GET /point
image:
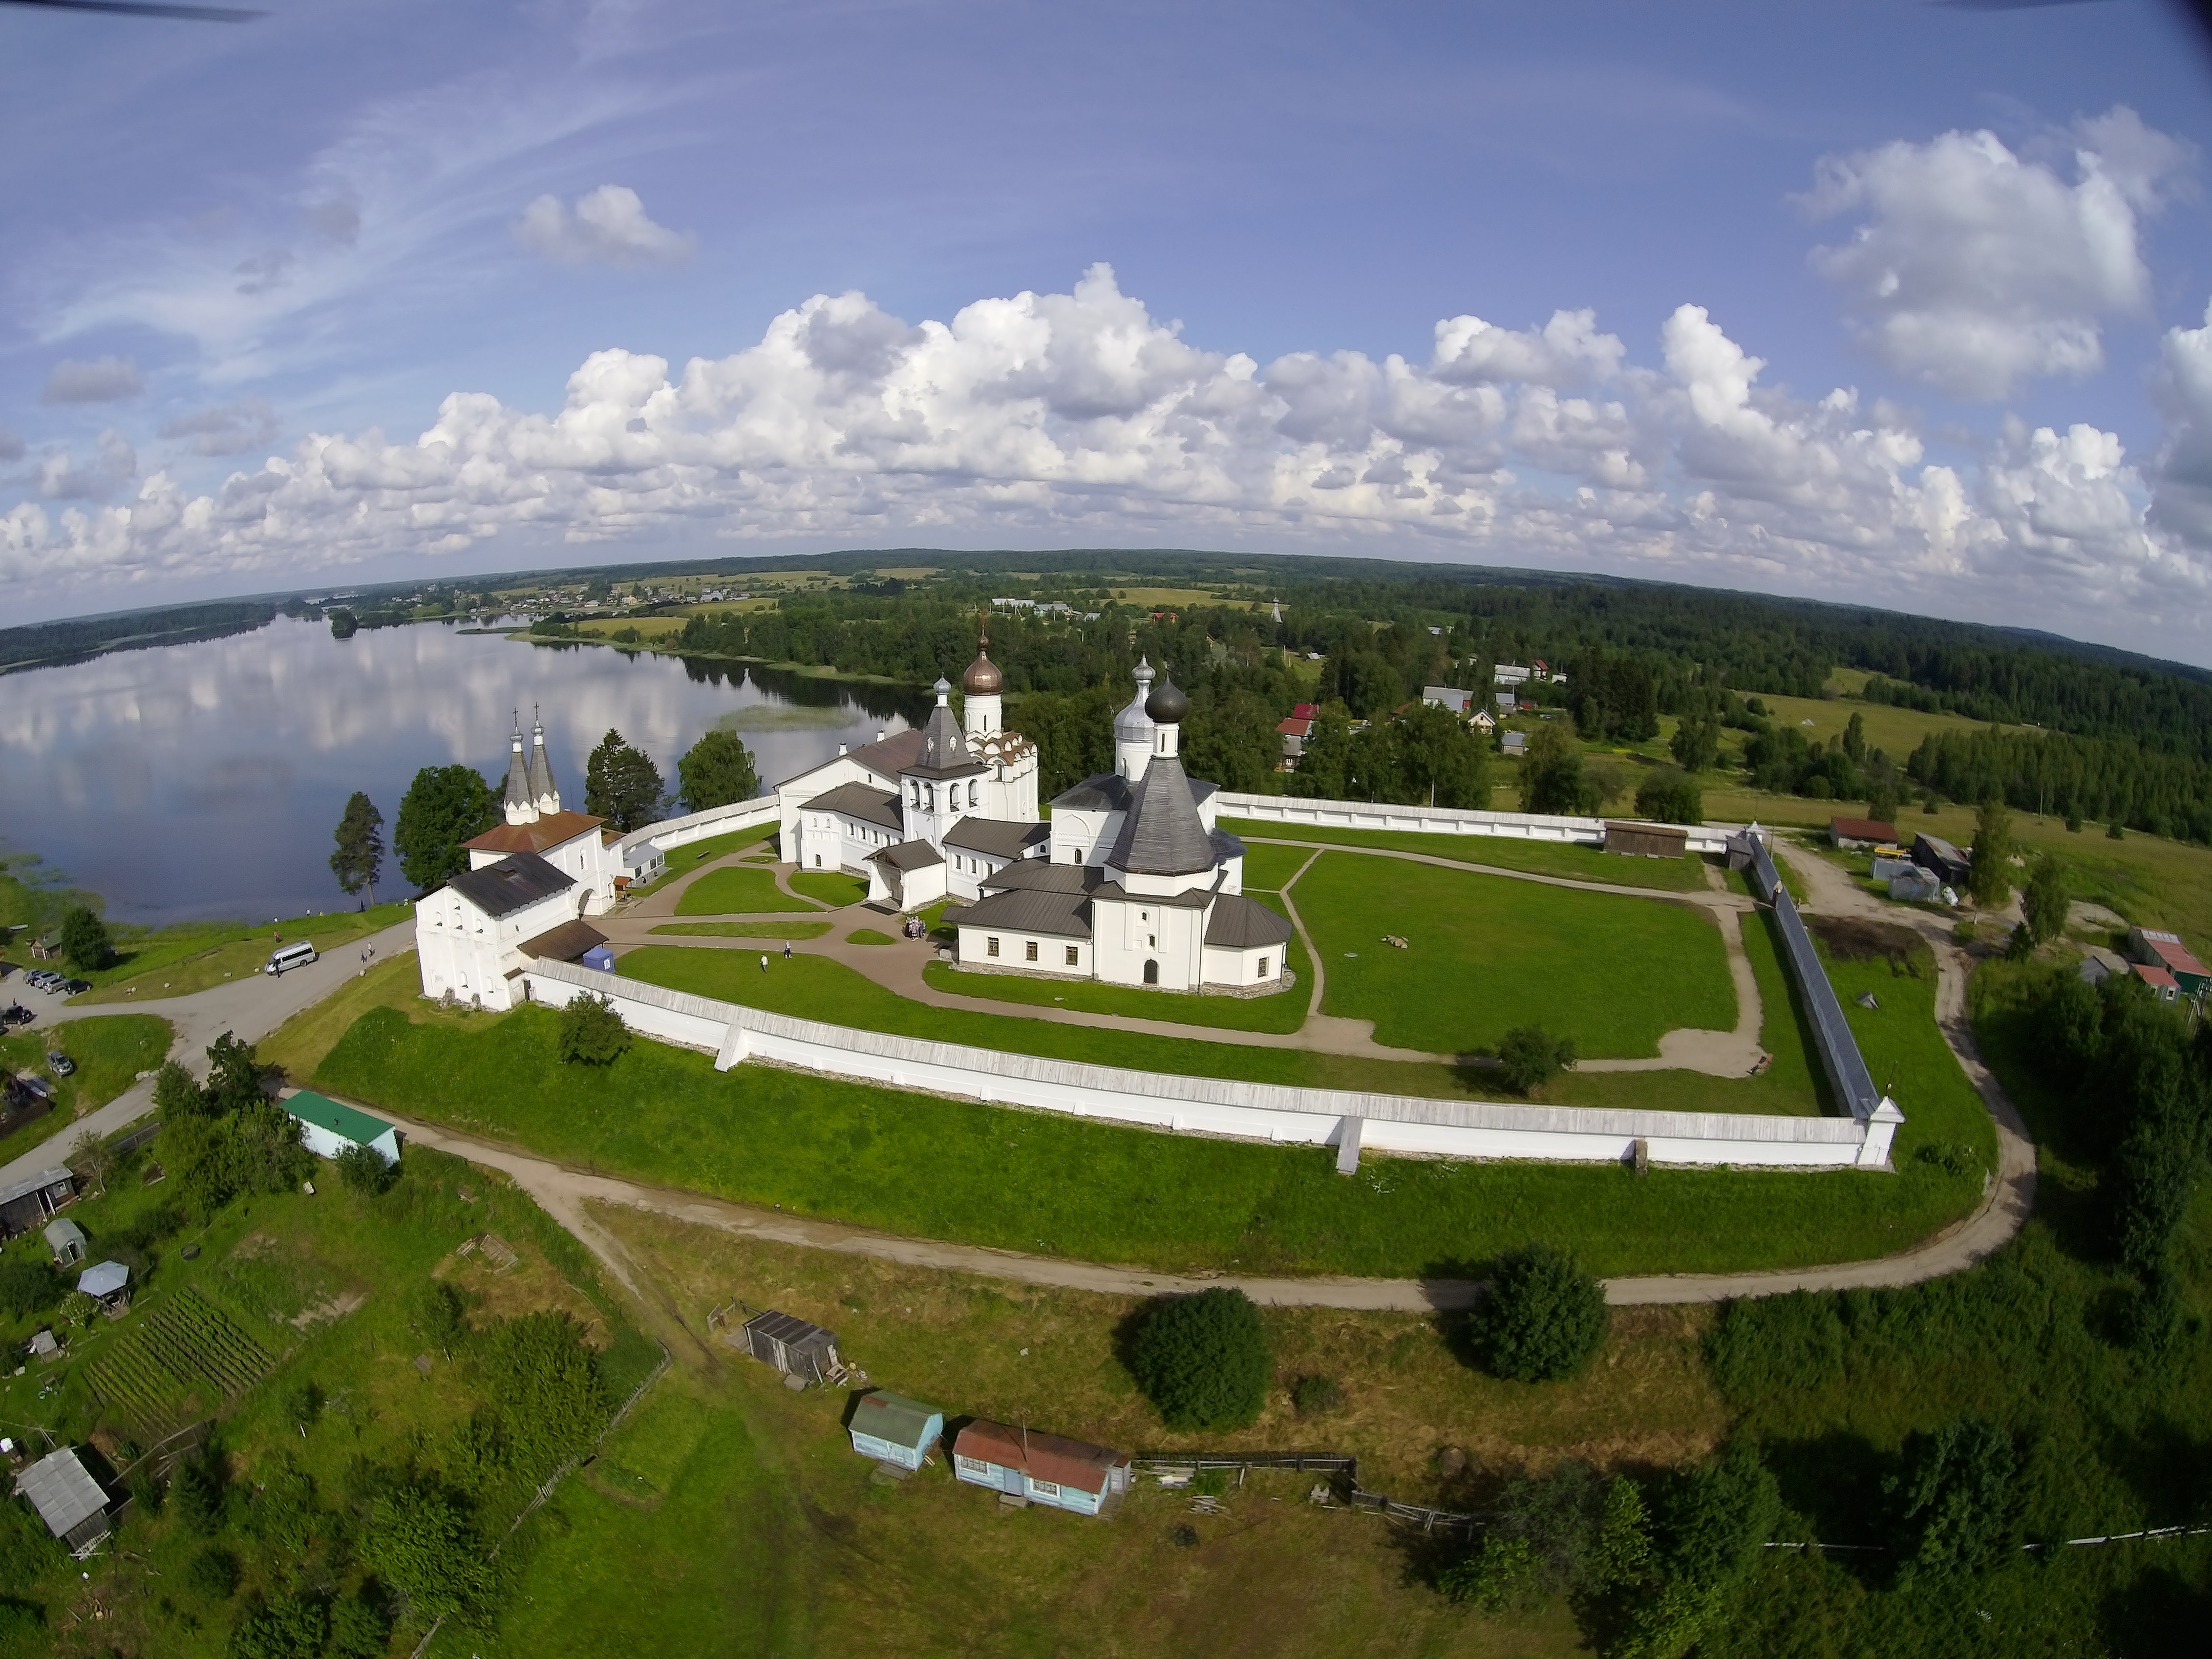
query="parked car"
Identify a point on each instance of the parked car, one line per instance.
(71, 987)
(44, 978)
(37, 1085)
(16, 1014)
(297, 954)
(62, 1063)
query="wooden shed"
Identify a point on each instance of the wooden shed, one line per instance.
(1646, 840)
(895, 1429)
(27, 1203)
(1024, 1466)
(794, 1346)
(66, 1240)
(68, 1499)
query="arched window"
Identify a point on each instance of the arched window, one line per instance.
(975, 791)
(1152, 973)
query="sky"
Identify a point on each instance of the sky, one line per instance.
(1887, 301)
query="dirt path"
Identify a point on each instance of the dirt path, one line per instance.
(566, 1195)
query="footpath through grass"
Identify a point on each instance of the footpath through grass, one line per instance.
(747, 929)
(817, 988)
(1683, 875)
(1028, 1181)
(683, 860)
(1281, 1012)
(737, 890)
(1487, 954)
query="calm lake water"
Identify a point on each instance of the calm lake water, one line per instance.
(205, 780)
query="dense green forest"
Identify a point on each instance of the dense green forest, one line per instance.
(41, 644)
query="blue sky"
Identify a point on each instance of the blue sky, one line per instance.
(1888, 301)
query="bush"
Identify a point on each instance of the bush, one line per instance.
(1531, 1057)
(1203, 1360)
(1671, 797)
(420, 1542)
(1954, 1500)
(546, 1378)
(435, 1314)
(1543, 1318)
(359, 1629)
(591, 1032)
(197, 1487)
(1315, 1395)
(293, 1627)
(1502, 1577)
(212, 1573)
(29, 1285)
(363, 1169)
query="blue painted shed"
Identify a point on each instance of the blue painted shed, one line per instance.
(1027, 1467)
(893, 1428)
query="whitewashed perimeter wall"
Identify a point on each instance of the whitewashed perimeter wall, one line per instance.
(1251, 1111)
(1438, 820)
(670, 833)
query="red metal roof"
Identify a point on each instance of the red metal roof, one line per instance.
(2157, 978)
(1044, 1458)
(2172, 951)
(1861, 829)
(1306, 711)
(549, 832)
(1295, 727)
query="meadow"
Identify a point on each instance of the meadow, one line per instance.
(951, 1169)
(109, 1051)
(1485, 954)
(1683, 875)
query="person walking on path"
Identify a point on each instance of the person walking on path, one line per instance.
(786, 950)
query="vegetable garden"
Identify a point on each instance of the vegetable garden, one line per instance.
(188, 1356)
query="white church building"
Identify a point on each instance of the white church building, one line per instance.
(1131, 883)
(530, 883)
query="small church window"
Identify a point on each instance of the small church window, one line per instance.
(974, 796)
(1031, 954)
(990, 947)
(1071, 956)
(1263, 966)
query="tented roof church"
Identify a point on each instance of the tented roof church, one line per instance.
(530, 881)
(1131, 883)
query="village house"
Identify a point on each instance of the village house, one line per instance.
(329, 1127)
(1856, 835)
(2154, 948)
(1294, 731)
(894, 1430)
(1025, 1466)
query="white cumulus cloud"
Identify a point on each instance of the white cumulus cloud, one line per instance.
(1975, 269)
(606, 226)
(103, 380)
(1080, 418)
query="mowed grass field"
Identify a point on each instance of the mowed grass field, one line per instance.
(746, 929)
(737, 890)
(683, 860)
(956, 1170)
(1486, 954)
(831, 887)
(817, 988)
(1683, 875)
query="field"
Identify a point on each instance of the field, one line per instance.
(1487, 954)
(746, 929)
(1899, 731)
(723, 1478)
(1283, 1012)
(1683, 875)
(832, 887)
(949, 1169)
(1792, 1085)
(109, 1051)
(683, 860)
(737, 891)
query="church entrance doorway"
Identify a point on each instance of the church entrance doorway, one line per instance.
(1152, 973)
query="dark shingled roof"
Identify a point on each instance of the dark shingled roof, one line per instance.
(566, 943)
(944, 750)
(1109, 792)
(1243, 924)
(1033, 910)
(1191, 898)
(858, 800)
(908, 856)
(1036, 875)
(997, 837)
(518, 880)
(1163, 835)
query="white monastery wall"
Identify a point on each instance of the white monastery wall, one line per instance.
(1439, 820)
(1251, 1111)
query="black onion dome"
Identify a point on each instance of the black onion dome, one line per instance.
(1167, 705)
(983, 677)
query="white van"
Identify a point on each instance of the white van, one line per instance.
(292, 955)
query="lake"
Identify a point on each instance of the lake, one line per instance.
(205, 780)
